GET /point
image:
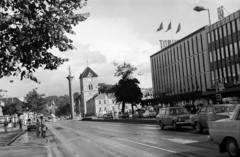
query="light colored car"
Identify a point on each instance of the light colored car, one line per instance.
(173, 116)
(226, 133)
(149, 114)
(210, 113)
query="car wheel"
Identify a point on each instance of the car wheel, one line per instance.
(198, 127)
(161, 125)
(175, 126)
(232, 148)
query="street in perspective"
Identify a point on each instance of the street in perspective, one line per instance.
(139, 78)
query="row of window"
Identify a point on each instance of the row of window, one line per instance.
(105, 101)
(113, 108)
(224, 30)
(179, 52)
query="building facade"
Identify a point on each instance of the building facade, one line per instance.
(224, 46)
(188, 65)
(182, 67)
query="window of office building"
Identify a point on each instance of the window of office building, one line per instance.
(220, 73)
(233, 26)
(222, 53)
(213, 80)
(224, 31)
(220, 32)
(229, 74)
(229, 28)
(216, 34)
(225, 74)
(233, 72)
(238, 24)
(210, 54)
(235, 48)
(238, 71)
(212, 35)
(226, 50)
(231, 50)
(214, 56)
(218, 54)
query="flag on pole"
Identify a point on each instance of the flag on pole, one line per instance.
(160, 27)
(169, 27)
(179, 28)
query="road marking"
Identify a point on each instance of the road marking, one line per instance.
(167, 150)
(179, 140)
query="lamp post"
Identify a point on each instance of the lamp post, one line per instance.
(12, 90)
(140, 74)
(198, 9)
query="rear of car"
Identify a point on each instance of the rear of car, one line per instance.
(173, 116)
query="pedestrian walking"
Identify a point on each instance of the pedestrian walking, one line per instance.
(38, 127)
(5, 124)
(20, 123)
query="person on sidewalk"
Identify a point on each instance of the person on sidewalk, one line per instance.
(38, 127)
(5, 124)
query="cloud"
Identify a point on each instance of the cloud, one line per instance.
(193, 1)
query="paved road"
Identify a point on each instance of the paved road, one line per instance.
(102, 139)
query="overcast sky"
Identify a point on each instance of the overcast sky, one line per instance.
(119, 30)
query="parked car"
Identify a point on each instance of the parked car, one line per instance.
(210, 113)
(108, 115)
(149, 114)
(100, 115)
(226, 133)
(123, 115)
(138, 114)
(173, 116)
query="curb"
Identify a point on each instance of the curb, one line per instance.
(13, 139)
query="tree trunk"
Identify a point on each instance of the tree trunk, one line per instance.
(123, 107)
(132, 109)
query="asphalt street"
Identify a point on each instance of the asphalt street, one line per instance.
(103, 139)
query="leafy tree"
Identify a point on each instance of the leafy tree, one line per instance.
(103, 88)
(35, 102)
(127, 89)
(30, 28)
(13, 108)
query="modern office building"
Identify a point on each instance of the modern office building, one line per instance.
(224, 48)
(189, 64)
(183, 66)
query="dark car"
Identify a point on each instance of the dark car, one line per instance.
(124, 115)
(173, 116)
(108, 115)
(210, 113)
(138, 114)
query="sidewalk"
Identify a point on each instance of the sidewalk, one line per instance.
(7, 138)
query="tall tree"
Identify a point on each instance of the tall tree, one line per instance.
(127, 89)
(30, 28)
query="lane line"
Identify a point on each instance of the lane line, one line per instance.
(166, 150)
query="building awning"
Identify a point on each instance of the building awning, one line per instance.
(227, 92)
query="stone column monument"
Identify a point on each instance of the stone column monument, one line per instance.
(70, 93)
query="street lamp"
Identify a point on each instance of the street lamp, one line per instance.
(12, 90)
(140, 74)
(198, 9)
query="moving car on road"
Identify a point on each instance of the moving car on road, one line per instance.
(173, 116)
(210, 113)
(226, 132)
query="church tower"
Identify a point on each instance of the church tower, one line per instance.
(88, 87)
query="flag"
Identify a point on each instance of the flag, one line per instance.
(179, 28)
(169, 27)
(160, 27)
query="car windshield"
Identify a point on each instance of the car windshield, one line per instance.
(177, 111)
(223, 109)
